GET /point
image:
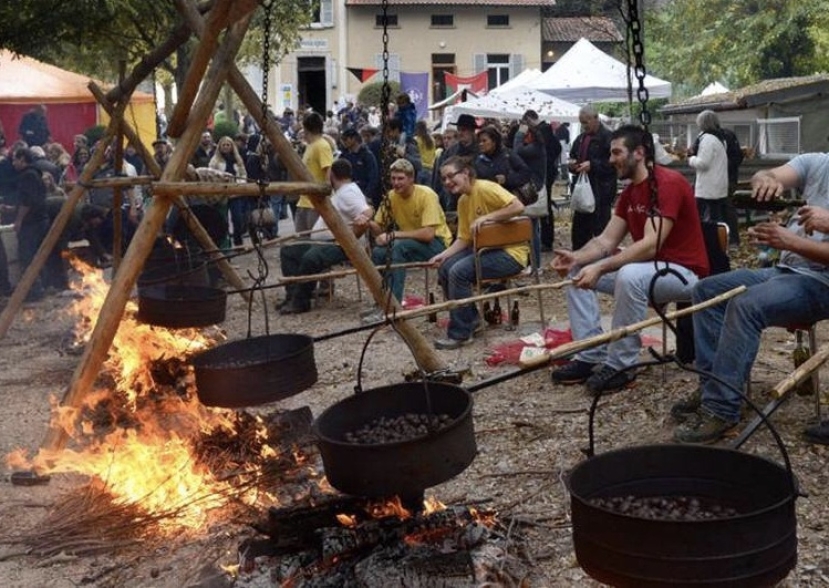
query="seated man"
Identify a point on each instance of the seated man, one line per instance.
(662, 221)
(410, 222)
(478, 201)
(321, 252)
(795, 291)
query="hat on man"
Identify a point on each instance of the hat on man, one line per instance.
(466, 121)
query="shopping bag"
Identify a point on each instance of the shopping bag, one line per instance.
(582, 199)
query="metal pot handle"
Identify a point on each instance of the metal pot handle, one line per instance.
(590, 451)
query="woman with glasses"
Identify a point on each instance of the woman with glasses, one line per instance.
(478, 201)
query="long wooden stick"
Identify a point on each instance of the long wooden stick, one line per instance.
(622, 332)
(232, 189)
(802, 372)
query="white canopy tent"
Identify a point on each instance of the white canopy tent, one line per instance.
(588, 74)
(512, 104)
(713, 88)
(519, 81)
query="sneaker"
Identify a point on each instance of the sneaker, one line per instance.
(573, 372)
(817, 433)
(684, 409)
(376, 316)
(450, 343)
(609, 379)
(703, 427)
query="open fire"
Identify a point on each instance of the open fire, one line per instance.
(138, 432)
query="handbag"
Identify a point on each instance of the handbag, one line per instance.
(582, 199)
(527, 194)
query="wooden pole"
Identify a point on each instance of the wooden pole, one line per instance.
(29, 276)
(423, 351)
(231, 190)
(112, 310)
(193, 223)
(622, 332)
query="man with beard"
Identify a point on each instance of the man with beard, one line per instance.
(665, 232)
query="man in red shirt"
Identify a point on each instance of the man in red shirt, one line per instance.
(658, 211)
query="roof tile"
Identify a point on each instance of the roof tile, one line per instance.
(596, 29)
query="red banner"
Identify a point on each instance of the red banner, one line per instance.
(479, 83)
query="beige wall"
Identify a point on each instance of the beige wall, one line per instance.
(354, 41)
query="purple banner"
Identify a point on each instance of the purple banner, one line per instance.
(416, 85)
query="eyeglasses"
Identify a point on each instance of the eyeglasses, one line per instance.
(450, 176)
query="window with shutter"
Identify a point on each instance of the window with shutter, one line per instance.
(516, 64)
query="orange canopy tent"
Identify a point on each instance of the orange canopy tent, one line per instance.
(71, 108)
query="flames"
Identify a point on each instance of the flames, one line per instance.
(140, 446)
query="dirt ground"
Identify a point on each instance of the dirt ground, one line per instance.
(529, 434)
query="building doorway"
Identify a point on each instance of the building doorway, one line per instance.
(311, 86)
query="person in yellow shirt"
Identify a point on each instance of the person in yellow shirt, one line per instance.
(478, 201)
(428, 151)
(318, 158)
(411, 222)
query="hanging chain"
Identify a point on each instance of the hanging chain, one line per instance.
(639, 62)
(642, 94)
(386, 158)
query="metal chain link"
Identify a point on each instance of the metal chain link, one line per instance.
(385, 149)
(642, 94)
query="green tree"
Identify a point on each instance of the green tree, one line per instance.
(737, 42)
(92, 36)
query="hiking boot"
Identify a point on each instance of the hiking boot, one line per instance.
(609, 379)
(295, 307)
(573, 372)
(703, 427)
(684, 409)
(376, 316)
(817, 433)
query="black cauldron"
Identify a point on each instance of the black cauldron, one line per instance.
(255, 371)
(175, 306)
(403, 468)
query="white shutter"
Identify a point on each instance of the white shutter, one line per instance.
(327, 12)
(516, 64)
(479, 62)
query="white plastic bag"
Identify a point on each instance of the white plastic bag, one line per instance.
(582, 199)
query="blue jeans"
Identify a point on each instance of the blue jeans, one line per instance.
(277, 204)
(629, 286)
(456, 277)
(404, 251)
(727, 336)
(239, 218)
(307, 258)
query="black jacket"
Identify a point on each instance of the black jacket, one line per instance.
(505, 163)
(602, 175)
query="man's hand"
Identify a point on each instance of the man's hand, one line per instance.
(771, 234)
(563, 261)
(766, 186)
(813, 218)
(382, 239)
(438, 259)
(587, 277)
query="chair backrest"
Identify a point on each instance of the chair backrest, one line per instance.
(517, 230)
(715, 235)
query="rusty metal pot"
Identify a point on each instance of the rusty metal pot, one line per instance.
(401, 468)
(255, 371)
(178, 307)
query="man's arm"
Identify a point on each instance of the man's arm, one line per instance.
(657, 230)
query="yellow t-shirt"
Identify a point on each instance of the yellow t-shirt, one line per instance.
(421, 209)
(318, 157)
(484, 198)
(427, 156)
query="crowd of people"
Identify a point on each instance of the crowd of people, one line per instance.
(396, 184)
